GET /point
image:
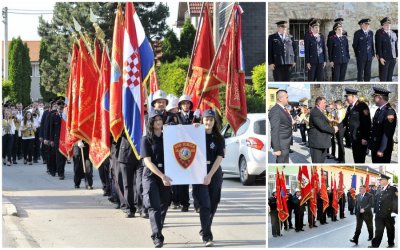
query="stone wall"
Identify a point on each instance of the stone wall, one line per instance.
(327, 12)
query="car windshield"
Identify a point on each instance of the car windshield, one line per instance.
(259, 127)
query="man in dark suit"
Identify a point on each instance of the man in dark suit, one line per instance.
(276, 229)
(315, 53)
(320, 133)
(51, 157)
(386, 208)
(350, 201)
(358, 123)
(386, 50)
(364, 204)
(383, 127)
(298, 211)
(281, 53)
(79, 172)
(281, 127)
(55, 128)
(42, 131)
(363, 45)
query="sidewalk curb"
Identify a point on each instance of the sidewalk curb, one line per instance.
(10, 223)
(9, 208)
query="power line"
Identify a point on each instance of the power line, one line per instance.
(31, 10)
(21, 13)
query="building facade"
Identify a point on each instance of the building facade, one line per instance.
(297, 14)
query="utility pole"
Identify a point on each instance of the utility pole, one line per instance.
(5, 21)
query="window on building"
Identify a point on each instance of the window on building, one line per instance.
(35, 70)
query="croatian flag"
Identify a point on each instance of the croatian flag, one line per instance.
(138, 64)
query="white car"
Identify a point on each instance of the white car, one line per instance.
(245, 151)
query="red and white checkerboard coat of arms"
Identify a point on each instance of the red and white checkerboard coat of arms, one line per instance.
(184, 153)
(132, 72)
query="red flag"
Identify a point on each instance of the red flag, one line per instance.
(340, 187)
(88, 84)
(282, 214)
(66, 139)
(229, 69)
(305, 184)
(314, 190)
(116, 121)
(324, 191)
(284, 196)
(202, 59)
(367, 183)
(100, 147)
(335, 203)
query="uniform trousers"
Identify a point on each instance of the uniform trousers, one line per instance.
(156, 197)
(208, 198)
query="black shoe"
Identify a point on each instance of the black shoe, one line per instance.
(315, 226)
(62, 177)
(185, 209)
(76, 186)
(291, 227)
(290, 151)
(54, 175)
(354, 241)
(197, 210)
(274, 236)
(35, 161)
(89, 187)
(25, 162)
(390, 246)
(44, 162)
(15, 162)
(158, 244)
(302, 229)
(118, 206)
(130, 214)
(297, 230)
(112, 200)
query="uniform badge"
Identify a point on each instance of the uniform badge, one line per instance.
(366, 112)
(212, 145)
(184, 153)
(390, 118)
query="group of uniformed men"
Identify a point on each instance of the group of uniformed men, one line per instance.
(282, 51)
(383, 201)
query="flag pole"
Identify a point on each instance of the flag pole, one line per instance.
(84, 167)
(215, 56)
(194, 47)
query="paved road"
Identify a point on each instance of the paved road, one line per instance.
(333, 235)
(301, 154)
(54, 214)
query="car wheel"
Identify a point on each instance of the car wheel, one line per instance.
(245, 178)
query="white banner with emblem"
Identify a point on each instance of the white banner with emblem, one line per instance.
(185, 156)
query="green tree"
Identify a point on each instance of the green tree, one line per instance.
(172, 76)
(57, 35)
(170, 47)
(19, 71)
(187, 37)
(259, 79)
(44, 56)
(8, 91)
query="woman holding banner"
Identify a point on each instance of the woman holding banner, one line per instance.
(156, 185)
(208, 194)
